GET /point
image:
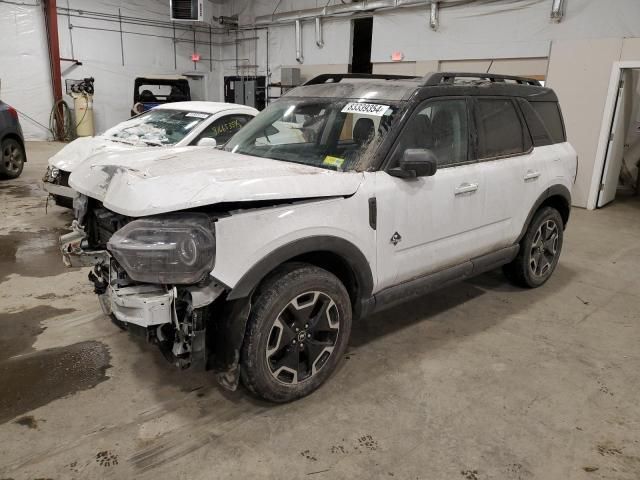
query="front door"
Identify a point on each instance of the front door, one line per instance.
(427, 224)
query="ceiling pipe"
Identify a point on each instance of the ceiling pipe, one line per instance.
(299, 57)
(319, 40)
(433, 17)
(557, 11)
(330, 10)
(346, 9)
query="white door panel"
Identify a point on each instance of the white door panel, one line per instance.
(614, 157)
(440, 221)
(514, 184)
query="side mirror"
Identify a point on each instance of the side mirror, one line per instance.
(207, 142)
(415, 162)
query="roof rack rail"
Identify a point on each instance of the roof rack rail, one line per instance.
(338, 77)
(449, 78)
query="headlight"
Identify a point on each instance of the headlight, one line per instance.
(52, 174)
(173, 249)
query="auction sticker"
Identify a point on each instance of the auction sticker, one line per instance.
(197, 115)
(373, 109)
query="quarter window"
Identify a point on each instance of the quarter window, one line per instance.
(500, 131)
(440, 126)
(224, 128)
(550, 115)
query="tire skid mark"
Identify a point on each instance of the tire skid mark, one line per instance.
(191, 437)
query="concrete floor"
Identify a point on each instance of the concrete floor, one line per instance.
(478, 381)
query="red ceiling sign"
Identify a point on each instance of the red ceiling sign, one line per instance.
(195, 57)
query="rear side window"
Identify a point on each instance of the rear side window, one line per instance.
(500, 130)
(549, 112)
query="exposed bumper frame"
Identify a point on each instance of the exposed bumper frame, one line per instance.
(61, 190)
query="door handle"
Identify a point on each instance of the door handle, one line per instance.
(466, 188)
(531, 175)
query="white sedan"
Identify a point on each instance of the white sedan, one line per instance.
(171, 124)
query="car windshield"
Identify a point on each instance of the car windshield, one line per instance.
(157, 127)
(327, 133)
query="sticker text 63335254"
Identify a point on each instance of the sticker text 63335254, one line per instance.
(373, 109)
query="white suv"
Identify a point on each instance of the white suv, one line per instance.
(345, 196)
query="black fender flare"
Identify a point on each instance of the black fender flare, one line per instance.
(552, 191)
(346, 250)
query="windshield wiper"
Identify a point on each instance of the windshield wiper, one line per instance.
(120, 140)
(153, 143)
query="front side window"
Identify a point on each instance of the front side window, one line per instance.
(335, 134)
(500, 131)
(157, 127)
(440, 126)
(224, 128)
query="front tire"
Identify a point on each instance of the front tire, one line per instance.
(12, 158)
(297, 332)
(539, 250)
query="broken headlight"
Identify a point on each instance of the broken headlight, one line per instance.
(51, 174)
(174, 249)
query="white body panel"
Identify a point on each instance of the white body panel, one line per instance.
(244, 238)
(150, 182)
(439, 226)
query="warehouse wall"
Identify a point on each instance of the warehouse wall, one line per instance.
(102, 58)
(468, 32)
(90, 41)
(25, 80)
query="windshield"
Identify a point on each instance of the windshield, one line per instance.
(328, 133)
(157, 127)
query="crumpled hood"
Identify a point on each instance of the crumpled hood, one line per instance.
(76, 152)
(149, 181)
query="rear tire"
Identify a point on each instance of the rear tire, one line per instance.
(12, 157)
(539, 250)
(297, 332)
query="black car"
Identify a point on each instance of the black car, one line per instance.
(12, 153)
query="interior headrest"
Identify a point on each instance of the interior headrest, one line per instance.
(363, 130)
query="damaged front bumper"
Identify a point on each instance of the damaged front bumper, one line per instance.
(73, 245)
(59, 190)
(190, 327)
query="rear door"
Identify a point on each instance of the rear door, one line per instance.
(513, 171)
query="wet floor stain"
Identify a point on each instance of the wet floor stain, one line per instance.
(20, 329)
(32, 254)
(30, 379)
(36, 379)
(21, 190)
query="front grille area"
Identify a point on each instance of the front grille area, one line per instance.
(101, 224)
(63, 178)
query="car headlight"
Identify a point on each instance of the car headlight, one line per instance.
(52, 174)
(173, 249)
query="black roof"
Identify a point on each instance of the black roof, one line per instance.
(402, 87)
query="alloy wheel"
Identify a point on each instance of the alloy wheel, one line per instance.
(302, 337)
(12, 158)
(544, 248)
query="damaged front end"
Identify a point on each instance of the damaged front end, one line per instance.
(152, 278)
